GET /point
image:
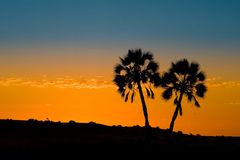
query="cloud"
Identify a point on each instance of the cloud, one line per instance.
(60, 82)
(224, 84)
(10, 81)
(217, 82)
(212, 79)
(92, 83)
(233, 103)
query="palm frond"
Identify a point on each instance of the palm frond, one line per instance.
(135, 56)
(125, 61)
(172, 68)
(194, 68)
(119, 80)
(177, 87)
(167, 94)
(189, 96)
(201, 76)
(182, 66)
(118, 68)
(154, 78)
(130, 55)
(148, 92)
(144, 78)
(130, 85)
(166, 79)
(196, 102)
(138, 56)
(146, 56)
(152, 93)
(157, 79)
(132, 97)
(169, 79)
(123, 92)
(191, 79)
(126, 97)
(200, 89)
(153, 66)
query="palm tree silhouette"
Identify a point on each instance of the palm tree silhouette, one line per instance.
(183, 79)
(137, 69)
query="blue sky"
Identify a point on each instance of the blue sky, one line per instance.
(155, 22)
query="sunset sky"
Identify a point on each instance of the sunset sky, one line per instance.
(57, 59)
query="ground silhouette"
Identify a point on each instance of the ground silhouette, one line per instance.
(42, 138)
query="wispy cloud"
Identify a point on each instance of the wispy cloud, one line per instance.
(212, 79)
(94, 82)
(233, 103)
(217, 82)
(10, 81)
(60, 82)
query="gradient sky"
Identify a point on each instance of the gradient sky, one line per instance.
(57, 59)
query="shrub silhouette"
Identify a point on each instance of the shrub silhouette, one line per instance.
(183, 79)
(137, 69)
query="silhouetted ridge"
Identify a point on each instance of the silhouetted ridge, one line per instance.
(46, 137)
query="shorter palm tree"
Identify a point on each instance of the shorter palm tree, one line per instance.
(183, 79)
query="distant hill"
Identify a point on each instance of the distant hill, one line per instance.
(34, 137)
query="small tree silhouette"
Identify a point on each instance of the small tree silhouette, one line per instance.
(183, 79)
(137, 68)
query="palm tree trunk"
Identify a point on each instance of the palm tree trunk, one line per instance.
(175, 114)
(144, 107)
(145, 112)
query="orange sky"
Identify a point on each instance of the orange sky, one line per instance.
(79, 87)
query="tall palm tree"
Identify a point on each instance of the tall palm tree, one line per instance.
(136, 70)
(183, 79)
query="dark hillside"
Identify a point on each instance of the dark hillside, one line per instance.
(40, 138)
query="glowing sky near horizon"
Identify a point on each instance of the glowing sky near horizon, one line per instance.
(57, 59)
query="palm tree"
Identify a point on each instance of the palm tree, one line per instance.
(136, 70)
(183, 79)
